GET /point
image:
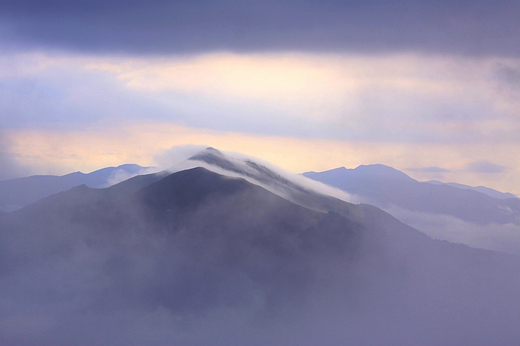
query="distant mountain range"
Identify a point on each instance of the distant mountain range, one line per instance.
(17, 193)
(232, 251)
(383, 186)
(445, 211)
(490, 192)
(442, 210)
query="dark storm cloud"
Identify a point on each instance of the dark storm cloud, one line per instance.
(156, 27)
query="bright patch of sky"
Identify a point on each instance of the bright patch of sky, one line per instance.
(443, 103)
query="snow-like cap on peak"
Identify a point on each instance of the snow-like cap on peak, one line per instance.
(262, 173)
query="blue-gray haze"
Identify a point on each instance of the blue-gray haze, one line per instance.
(197, 258)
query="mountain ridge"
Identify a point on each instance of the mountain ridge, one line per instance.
(384, 190)
(456, 214)
(193, 249)
(19, 192)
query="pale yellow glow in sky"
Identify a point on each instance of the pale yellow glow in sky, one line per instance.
(141, 142)
(406, 111)
(332, 82)
(268, 75)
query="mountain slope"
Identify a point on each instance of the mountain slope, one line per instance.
(441, 211)
(297, 189)
(197, 258)
(486, 190)
(17, 193)
(383, 186)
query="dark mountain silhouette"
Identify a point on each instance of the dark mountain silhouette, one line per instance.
(17, 193)
(384, 186)
(198, 258)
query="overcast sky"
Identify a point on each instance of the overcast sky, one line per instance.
(428, 87)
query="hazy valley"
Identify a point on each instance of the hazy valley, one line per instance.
(226, 250)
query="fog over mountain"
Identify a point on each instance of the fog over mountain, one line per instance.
(453, 212)
(196, 257)
(298, 189)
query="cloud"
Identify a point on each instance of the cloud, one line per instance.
(166, 159)
(509, 74)
(498, 237)
(485, 167)
(401, 98)
(164, 27)
(57, 92)
(407, 98)
(263, 173)
(122, 174)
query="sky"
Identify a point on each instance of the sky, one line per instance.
(431, 88)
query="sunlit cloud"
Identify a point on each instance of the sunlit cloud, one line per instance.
(438, 98)
(403, 98)
(300, 111)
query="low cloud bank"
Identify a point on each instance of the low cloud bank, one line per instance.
(492, 236)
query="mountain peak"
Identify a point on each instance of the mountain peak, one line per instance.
(374, 171)
(244, 167)
(381, 171)
(213, 156)
(299, 190)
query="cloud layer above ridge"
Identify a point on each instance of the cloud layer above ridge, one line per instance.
(165, 27)
(377, 76)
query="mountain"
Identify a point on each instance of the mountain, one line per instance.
(17, 193)
(297, 189)
(490, 192)
(440, 210)
(383, 186)
(199, 258)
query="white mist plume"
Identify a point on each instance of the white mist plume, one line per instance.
(121, 174)
(254, 170)
(167, 159)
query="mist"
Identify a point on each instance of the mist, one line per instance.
(204, 247)
(255, 170)
(121, 174)
(198, 258)
(491, 236)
